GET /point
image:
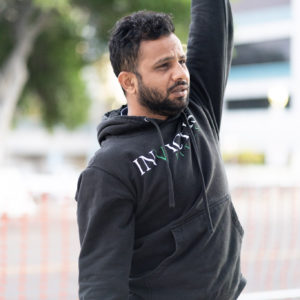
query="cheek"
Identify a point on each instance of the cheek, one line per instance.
(159, 83)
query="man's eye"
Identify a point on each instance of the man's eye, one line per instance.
(182, 61)
(164, 66)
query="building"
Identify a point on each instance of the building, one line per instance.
(262, 101)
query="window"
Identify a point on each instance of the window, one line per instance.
(262, 52)
(251, 103)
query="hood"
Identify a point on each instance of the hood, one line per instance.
(114, 123)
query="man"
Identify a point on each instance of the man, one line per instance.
(154, 212)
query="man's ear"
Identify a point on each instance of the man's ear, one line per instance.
(128, 82)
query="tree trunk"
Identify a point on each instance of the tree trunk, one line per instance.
(12, 80)
(14, 74)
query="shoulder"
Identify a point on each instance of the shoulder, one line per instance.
(115, 158)
(106, 159)
(106, 172)
(102, 155)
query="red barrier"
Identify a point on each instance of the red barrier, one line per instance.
(271, 248)
(295, 243)
(65, 242)
(23, 256)
(3, 254)
(44, 220)
(38, 254)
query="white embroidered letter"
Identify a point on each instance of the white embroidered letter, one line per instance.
(145, 160)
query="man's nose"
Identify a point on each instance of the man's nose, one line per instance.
(180, 72)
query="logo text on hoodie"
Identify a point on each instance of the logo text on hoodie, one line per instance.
(177, 146)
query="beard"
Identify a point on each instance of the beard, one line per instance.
(158, 103)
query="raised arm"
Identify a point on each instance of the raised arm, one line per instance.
(209, 54)
(106, 231)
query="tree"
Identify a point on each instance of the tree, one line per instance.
(45, 43)
(38, 51)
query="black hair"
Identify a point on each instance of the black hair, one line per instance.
(128, 33)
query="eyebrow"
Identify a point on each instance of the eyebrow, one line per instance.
(168, 58)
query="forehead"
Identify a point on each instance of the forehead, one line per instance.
(154, 50)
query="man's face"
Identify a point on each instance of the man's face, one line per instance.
(163, 78)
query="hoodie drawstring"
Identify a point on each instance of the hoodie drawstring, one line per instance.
(170, 177)
(169, 173)
(203, 193)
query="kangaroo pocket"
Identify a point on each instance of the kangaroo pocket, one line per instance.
(153, 252)
(201, 264)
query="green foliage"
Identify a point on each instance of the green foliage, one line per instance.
(106, 12)
(55, 67)
(6, 30)
(46, 5)
(6, 41)
(245, 157)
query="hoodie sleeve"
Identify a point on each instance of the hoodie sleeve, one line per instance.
(209, 54)
(105, 215)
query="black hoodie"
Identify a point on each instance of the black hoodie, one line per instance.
(155, 215)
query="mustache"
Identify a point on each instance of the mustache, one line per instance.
(182, 83)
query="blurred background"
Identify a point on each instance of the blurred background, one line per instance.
(55, 85)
